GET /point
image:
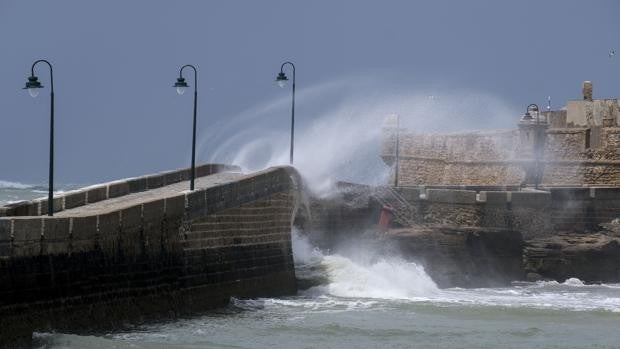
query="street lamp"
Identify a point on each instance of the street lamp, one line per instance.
(33, 85)
(282, 79)
(534, 108)
(181, 85)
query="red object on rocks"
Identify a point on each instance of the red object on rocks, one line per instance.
(385, 216)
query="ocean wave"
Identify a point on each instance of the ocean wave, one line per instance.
(14, 185)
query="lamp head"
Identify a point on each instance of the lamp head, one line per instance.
(531, 107)
(282, 79)
(33, 85)
(181, 85)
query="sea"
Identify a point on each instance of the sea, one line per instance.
(361, 300)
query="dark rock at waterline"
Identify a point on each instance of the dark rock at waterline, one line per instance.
(461, 257)
(588, 257)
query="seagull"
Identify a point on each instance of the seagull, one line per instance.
(611, 53)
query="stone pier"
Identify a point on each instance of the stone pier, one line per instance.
(145, 248)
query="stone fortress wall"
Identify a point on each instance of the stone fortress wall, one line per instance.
(577, 145)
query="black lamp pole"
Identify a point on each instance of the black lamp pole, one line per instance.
(282, 79)
(181, 85)
(534, 107)
(32, 85)
(396, 168)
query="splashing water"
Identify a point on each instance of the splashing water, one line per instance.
(377, 277)
(339, 138)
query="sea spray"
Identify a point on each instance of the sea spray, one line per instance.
(354, 277)
(339, 139)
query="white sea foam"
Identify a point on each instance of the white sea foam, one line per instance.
(13, 185)
(350, 279)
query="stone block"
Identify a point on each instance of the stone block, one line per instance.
(607, 193)
(5, 229)
(153, 211)
(27, 237)
(171, 177)
(56, 235)
(131, 218)
(27, 208)
(184, 174)
(410, 194)
(196, 204)
(530, 200)
(494, 198)
(246, 190)
(137, 184)
(204, 170)
(84, 228)
(109, 226)
(117, 189)
(109, 223)
(175, 206)
(75, 199)
(155, 181)
(451, 196)
(7, 211)
(42, 205)
(569, 194)
(56, 228)
(96, 194)
(27, 229)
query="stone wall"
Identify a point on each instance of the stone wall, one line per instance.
(469, 158)
(569, 157)
(175, 255)
(110, 190)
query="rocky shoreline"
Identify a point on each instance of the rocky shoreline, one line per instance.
(467, 256)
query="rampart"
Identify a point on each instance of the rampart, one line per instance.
(173, 254)
(574, 146)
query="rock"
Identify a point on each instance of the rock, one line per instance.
(461, 257)
(533, 277)
(588, 257)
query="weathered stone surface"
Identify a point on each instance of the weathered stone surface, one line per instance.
(588, 257)
(461, 257)
(134, 259)
(96, 194)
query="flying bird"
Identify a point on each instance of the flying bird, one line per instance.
(611, 53)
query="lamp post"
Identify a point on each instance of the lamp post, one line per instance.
(33, 85)
(181, 85)
(534, 107)
(281, 80)
(396, 168)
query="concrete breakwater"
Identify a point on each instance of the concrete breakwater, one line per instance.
(146, 248)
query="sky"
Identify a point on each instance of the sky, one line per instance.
(115, 61)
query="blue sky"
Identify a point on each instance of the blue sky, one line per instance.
(115, 62)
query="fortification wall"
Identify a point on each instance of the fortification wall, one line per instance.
(471, 158)
(570, 157)
(173, 255)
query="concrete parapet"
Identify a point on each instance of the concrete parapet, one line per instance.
(451, 196)
(495, 198)
(411, 194)
(530, 200)
(110, 190)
